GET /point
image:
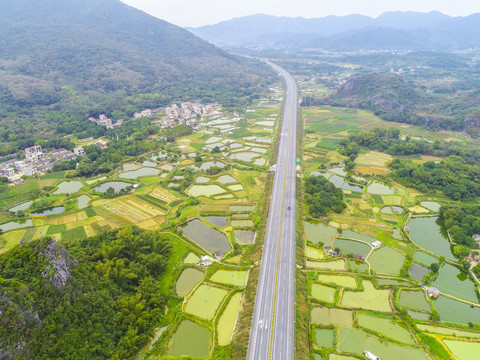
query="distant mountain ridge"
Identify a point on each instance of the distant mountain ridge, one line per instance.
(405, 30)
(91, 54)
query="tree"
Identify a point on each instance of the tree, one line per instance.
(110, 191)
(434, 267)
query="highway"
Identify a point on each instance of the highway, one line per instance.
(272, 334)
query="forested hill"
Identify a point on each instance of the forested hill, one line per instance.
(393, 98)
(94, 56)
(107, 290)
(389, 96)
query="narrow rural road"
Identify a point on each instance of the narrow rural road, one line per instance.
(272, 334)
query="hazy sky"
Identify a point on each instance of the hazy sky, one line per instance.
(202, 12)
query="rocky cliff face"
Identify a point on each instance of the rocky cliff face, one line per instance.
(60, 264)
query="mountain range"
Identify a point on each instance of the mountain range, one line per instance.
(389, 31)
(84, 56)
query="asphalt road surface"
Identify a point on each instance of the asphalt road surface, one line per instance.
(272, 334)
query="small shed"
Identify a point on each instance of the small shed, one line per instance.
(376, 244)
(371, 356)
(433, 292)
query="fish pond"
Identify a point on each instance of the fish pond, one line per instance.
(386, 350)
(82, 201)
(424, 258)
(21, 207)
(426, 233)
(208, 238)
(351, 340)
(325, 337)
(52, 211)
(187, 281)
(219, 221)
(117, 186)
(463, 350)
(12, 225)
(344, 281)
(319, 232)
(190, 339)
(332, 316)
(226, 323)
(349, 234)
(205, 190)
(414, 299)
(368, 299)
(144, 171)
(205, 301)
(455, 311)
(378, 188)
(455, 282)
(230, 277)
(352, 247)
(418, 271)
(240, 208)
(245, 237)
(386, 260)
(68, 187)
(323, 293)
(431, 205)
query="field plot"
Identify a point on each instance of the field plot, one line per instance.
(372, 163)
(133, 209)
(205, 301)
(369, 299)
(325, 338)
(164, 195)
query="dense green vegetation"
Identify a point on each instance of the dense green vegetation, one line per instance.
(322, 197)
(452, 177)
(107, 309)
(461, 222)
(389, 141)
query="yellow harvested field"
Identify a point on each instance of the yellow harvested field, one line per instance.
(67, 219)
(417, 209)
(215, 207)
(149, 224)
(368, 170)
(133, 210)
(160, 219)
(431, 158)
(89, 230)
(41, 231)
(163, 195)
(365, 206)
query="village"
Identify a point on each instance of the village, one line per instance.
(38, 160)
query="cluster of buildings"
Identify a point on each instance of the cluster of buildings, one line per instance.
(36, 161)
(103, 120)
(186, 113)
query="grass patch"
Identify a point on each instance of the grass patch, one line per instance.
(434, 346)
(55, 229)
(74, 234)
(90, 212)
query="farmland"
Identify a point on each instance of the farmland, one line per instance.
(206, 190)
(364, 266)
